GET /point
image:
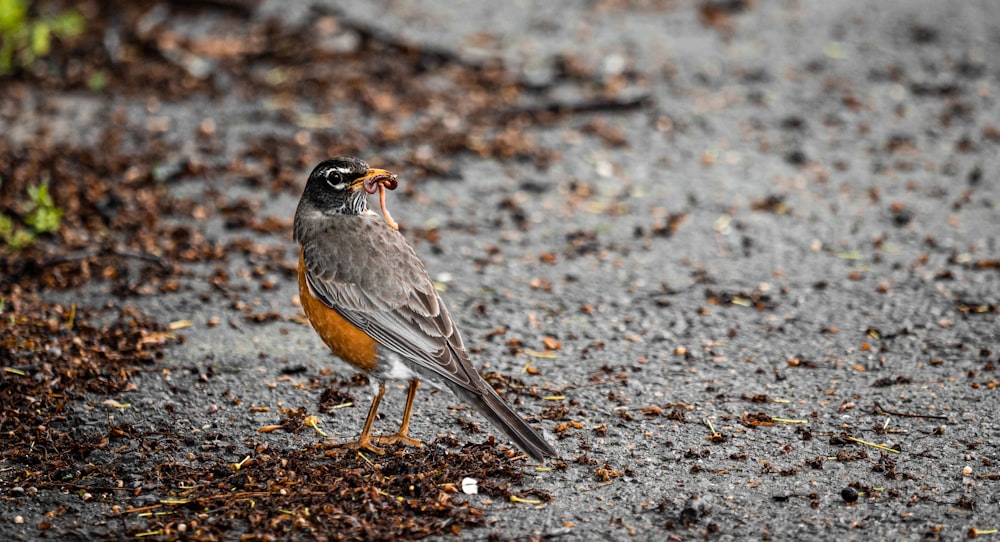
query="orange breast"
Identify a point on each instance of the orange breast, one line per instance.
(347, 341)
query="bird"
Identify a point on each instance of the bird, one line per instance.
(370, 298)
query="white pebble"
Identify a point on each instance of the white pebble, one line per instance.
(470, 486)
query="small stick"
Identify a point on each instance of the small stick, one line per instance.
(142, 509)
(369, 461)
(229, 496)
(794, 422)
(313, 421)
(710, 428)
(879, 408)
(83, 255)
(715, 436)
(872, 444)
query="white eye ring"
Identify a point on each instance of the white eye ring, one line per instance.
(335, 178)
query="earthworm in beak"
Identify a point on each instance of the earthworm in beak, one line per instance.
(380, 179)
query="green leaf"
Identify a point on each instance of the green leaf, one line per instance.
(40, 196)
(44, 219)
(41, 38)
(12, 15)
(44, 216)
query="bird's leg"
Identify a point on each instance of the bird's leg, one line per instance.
(365, 440)
(404, 427)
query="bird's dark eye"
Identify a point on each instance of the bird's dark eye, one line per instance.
(335, 178)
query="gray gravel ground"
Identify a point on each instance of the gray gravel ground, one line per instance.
(799, 223)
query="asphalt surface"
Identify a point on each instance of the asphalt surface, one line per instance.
(779, 232)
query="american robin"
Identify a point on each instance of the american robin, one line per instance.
(370, 299)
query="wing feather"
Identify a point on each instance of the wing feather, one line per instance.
(390, 298)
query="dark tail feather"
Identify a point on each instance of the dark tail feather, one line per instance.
(503, 417)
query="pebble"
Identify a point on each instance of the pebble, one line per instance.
(849, 494)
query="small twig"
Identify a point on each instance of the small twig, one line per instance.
(143, 509)
(313, 421)
(82, 487)
(71, 321)
(428, 55)
(230, 496)
(710, 428)
(715, 436)
(872, 444)
(78, 256)
(880, 410)
(369, 461)
(792, 422)
(596, 105)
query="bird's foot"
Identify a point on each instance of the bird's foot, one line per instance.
(373, 443)
(396, 438)
(365, 443)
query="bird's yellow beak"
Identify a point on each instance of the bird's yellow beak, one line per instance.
(373, 178)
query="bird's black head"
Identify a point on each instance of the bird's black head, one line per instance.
(341, 185)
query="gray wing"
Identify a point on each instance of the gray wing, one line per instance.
(378, 283)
